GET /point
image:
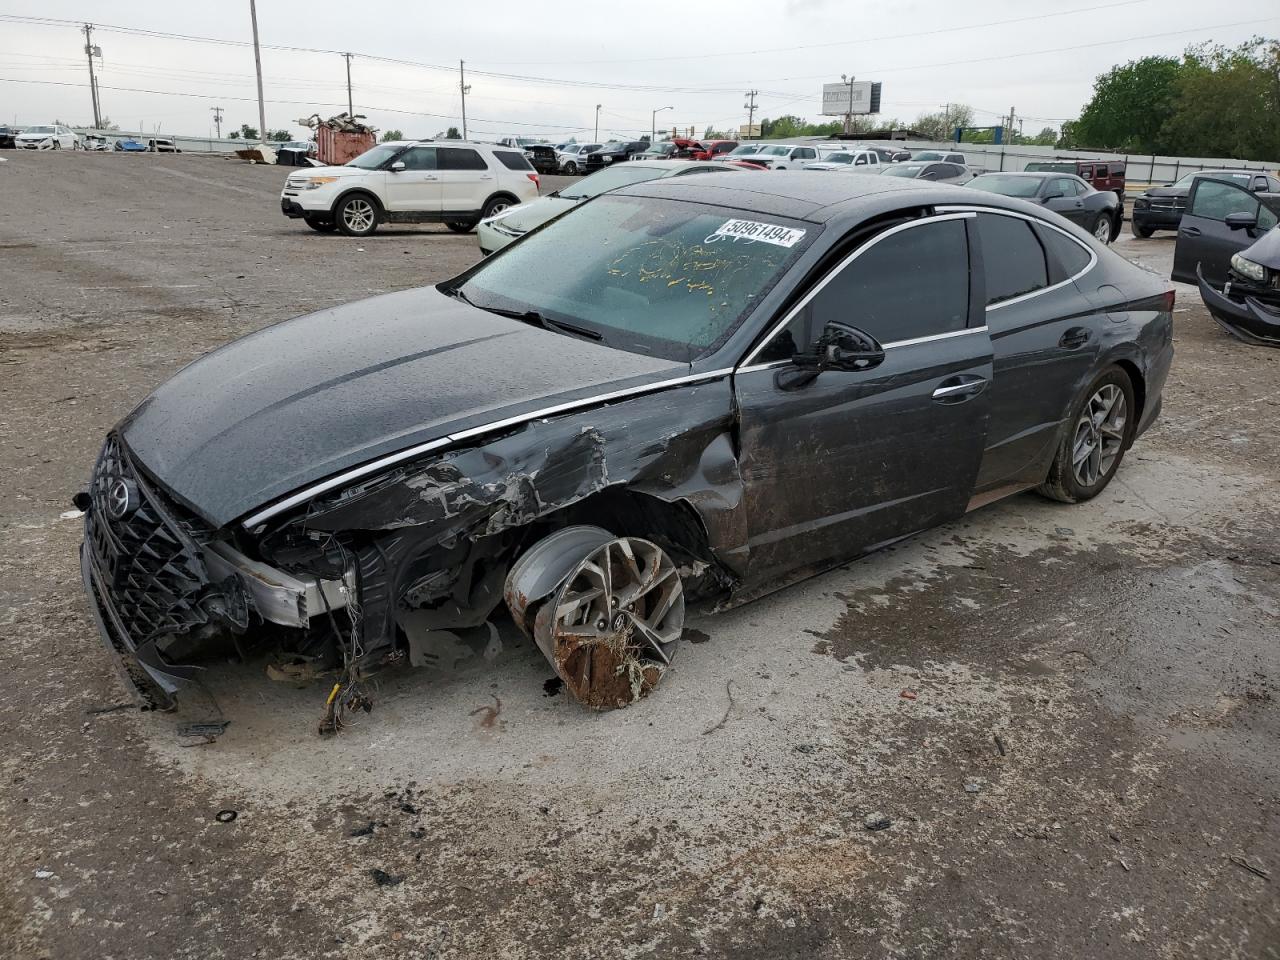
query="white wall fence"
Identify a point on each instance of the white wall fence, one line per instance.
(1141, 168)
(183, 143)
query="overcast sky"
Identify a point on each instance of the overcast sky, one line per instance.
(630, 56)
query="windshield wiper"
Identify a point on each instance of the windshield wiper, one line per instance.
(536, 319)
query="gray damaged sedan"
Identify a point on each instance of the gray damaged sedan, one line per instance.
(692, 390)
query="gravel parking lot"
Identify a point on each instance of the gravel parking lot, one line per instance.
(1067, 715)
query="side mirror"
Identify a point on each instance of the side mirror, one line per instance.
(397, 166)
(842, 347)
(1242, 221)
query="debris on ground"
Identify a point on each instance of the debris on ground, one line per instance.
(384, 879)
(908, 695)
(877, 821)
(225, 816)
(209, 729)
(971, 787)
(1256, 871)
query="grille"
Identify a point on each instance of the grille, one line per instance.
(1169, 203)
(149, 559)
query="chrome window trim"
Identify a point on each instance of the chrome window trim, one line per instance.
(887, 346)
(355, 473)
(838, 268)
(1093, 256)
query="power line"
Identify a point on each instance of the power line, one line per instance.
(819, 46)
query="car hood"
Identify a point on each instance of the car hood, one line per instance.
(1265, 250)
(35, 136)
(535, 213)
(308, 398)
(1166, 192)
(332, 172)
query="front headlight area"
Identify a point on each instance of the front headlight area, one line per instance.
(1248, 269)
(313, 183)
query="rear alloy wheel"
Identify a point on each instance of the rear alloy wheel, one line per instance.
(571, 168)
(1101, 228)
(321, 224)
(460, 226)
(1094, 443)
(607, 612)
(357, 216)
(1143, 233)
(495, 207)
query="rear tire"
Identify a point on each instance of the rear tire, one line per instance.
(460, 226)
(495, 206)
(1143, 233)
(357, 215)
(571, 168)
(1101, 228)
(1099, 431)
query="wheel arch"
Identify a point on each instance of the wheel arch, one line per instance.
(1138, 381)
(347, 194)
(499, 195)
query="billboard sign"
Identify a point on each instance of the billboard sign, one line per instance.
(747, 131)
(858, 97)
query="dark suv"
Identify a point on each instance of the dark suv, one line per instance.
(1161, 208)
(1100, 174)
(617, 152)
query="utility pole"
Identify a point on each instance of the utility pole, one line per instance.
(598, 106)
(750, 107)
(350, 108)
(653, 123)
(848, 117)
(217, 120)
(462, 85)
(90, 51)
(946, 121)
(257, 62)
(1013, 115)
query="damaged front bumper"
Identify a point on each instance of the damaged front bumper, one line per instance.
(1245, 310)
(160, 587)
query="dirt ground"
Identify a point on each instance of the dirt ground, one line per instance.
(1067, 715)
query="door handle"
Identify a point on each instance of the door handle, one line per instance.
(1079, 203)
(1190, 231)
(956, 389)
(1075, 337)
(430, 176)
(486, 176)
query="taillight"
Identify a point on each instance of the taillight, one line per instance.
(1169, 298)
(534, 177)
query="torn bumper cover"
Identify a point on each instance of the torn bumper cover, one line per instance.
(159, 586)
(1245, 310)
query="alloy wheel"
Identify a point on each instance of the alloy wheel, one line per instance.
(1099, 435)
(606, 611)
(1102, 230)
(358, 215)
(496, 208)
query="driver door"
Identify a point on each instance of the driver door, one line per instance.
(1204, 239)
(416, 188)
(1070, 204)
(852, 460)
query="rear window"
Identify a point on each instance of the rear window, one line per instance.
(1066, 257)
(1013, 261)
(512, 161)
(457, 158)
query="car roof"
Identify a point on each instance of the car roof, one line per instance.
(810, 195)
(674, 164)
(1029, 174)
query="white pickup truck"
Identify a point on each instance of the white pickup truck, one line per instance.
(849, 161)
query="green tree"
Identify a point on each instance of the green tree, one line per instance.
(248, 132)
(1130, 106)
(391, 135)
(279, 136)
(1228, 102)
(942, 124)
(452, 134)
(1067, 136)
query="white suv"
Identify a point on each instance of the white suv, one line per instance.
(781, 156)
(411, 181)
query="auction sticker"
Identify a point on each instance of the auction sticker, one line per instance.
(755, 232)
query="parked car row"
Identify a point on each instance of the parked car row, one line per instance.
(57, 136)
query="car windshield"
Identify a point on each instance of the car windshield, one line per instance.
(666, 146)
(1007, 186)
(610, 178)
(1051, 167)
(373, 159)
(664, 278)
(927, 155)
(775, 151)
(745, 150)
(38, 130)
(839, 158)
(904, 169)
